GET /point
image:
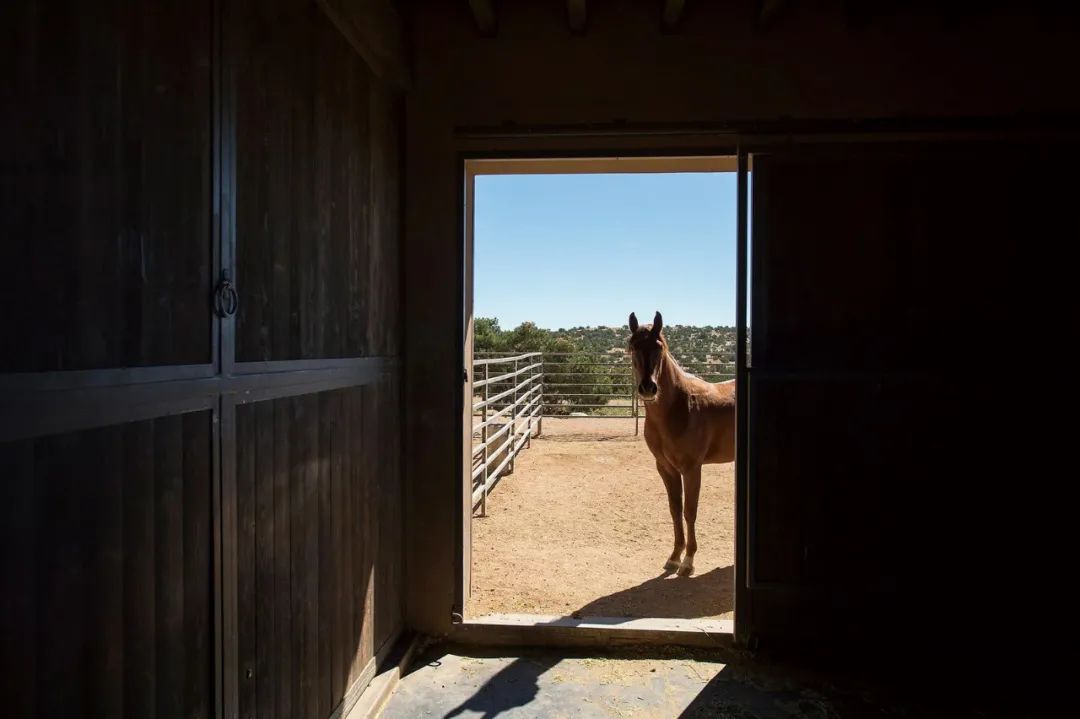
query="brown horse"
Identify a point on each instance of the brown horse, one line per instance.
(688, 422)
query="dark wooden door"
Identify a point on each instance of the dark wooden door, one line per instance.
(316, 339)
(897, 293)
(201, 508)
(109, 365)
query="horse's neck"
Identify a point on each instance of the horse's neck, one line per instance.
(672, 383)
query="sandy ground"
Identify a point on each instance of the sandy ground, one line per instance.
(582, 527)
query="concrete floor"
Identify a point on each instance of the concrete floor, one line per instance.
(667, 682)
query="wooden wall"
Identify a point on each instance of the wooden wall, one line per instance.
(202, 511)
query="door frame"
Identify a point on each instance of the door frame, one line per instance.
(534, 157)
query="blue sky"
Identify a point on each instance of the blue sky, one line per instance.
(571, 250)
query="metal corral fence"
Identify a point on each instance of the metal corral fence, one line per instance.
(513, 393)
(509, 406)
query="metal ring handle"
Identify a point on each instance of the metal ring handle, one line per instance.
(226, 299)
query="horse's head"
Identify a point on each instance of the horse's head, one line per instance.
(646, 347)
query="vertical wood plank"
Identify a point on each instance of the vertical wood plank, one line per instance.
(326, 553)
(361, 536)
(267, 676)
(140, 597)
(359, 203)
(342, 636)
(102, 609)
(283, 564)
(18, 574)
(370, 527)
(169, 566)
(246, 551)
(61, 679)
(197, 587)
(306, 421)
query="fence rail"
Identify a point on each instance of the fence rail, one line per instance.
(514, 392)
(509, 408)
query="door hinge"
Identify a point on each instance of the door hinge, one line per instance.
(465, 374)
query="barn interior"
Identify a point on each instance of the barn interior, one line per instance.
(234, 422)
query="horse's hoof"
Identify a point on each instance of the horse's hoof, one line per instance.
(685, 570)
(671, 566)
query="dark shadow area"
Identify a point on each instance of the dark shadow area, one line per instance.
(670, 597)
(762, 688)
(516, 685)
(746, 686)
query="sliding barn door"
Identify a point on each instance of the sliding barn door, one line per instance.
(898, 295)
(200, 501)
(316, 429)
(108, 367)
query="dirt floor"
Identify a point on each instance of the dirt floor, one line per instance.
(582, 528)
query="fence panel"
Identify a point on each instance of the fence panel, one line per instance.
(514, 392)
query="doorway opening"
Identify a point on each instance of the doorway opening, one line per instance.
(566, 517)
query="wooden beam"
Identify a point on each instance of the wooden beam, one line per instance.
(577, 14)
(376, 32)
(587, 165)
(673, 10)
(484, 15)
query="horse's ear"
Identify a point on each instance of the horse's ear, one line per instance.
(633, 322)
(657, 325)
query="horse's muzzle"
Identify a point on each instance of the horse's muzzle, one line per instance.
(647, 390)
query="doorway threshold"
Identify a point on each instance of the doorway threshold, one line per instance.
(562, 631)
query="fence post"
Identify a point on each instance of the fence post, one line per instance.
(484, 435)
(543, 378)
(529, 420)
(634, 404)
(513, 421)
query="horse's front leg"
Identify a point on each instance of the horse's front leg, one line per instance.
(673, 485)
(692, 485)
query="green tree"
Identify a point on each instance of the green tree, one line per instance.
(487, 336)
(572, 382)
(527, 337)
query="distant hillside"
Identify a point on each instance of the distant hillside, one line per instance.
(574, 382)
(688, 343)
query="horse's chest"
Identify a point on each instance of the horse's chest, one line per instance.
(671, 450)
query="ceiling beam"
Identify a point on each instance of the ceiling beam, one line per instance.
(673, 11)
(577, 14)
(484, 15)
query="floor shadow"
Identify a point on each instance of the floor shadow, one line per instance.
(515, 685)
(670, 597)
(748, 685)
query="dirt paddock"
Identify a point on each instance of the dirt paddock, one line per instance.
(582, 527)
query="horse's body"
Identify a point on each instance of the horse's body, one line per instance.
(688, 422)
